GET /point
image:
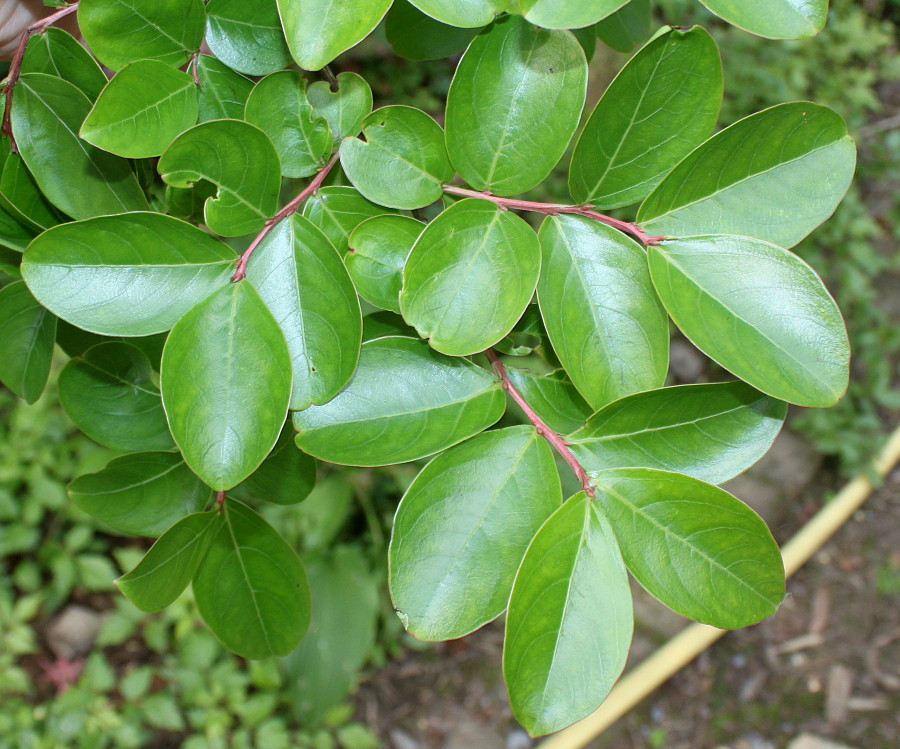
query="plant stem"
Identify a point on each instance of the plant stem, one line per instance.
(220, 501)
(553, 209)
(555, 440)
(290, 208)
(15, 66)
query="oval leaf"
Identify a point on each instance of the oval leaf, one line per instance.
(774, 19)
(344, 108)
(26, 347)
(223, 92)
(462, 528)
(627, 27)
(416, 36)
(570, 620)
(775, 175)
(246, 35)
(404, 402)
(567, 14)
(781, 332)
(222, 350)
(470, 276)
(20, 196)
(337, 211)
(514, 104)
(286, 477)
(553, 397)
(57, 52)
(700, 551)
(711, 432)
(463, 13)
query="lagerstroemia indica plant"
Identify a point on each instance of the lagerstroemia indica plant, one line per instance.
(122, 201)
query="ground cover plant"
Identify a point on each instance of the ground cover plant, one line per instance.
(217, 334)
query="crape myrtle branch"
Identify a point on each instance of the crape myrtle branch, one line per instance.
(38, 27)
(554, 209)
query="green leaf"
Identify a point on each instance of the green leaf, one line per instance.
(58, 53)
(401, 162)
(226, 348)
(251, 588)
(20, 196)
(344, 108)
(383, 323)
(141, 493)
(76, 177)
(26, 346)
(132, 275)
(109, 394)
(462, 528)
(711, 432)
(774, 19)
(141, 110)
(553, 397)
(416, 36)
(775, 175)
(462, 13)
(306, 287)
(169, 565)
(241, 160)
(278, 106)
(696, 548)
(759, 311)
(567, 14)
(673, 86)
(246, 35)
(570, 620)
(587, 38)
(404, 402)
(470, 276)
(337, 211)
(317, 31)
(514, 104)
(602, 315)
(14, 234)
(223, 92)
(627, 27)
(122, 31)
(286, 477)
(377, 252)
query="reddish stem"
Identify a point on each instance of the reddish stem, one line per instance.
(16, 65)
(290, 208)
(556, 441)
(553, 209)
(220, 500)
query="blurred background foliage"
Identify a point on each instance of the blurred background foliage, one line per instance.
(163, 680)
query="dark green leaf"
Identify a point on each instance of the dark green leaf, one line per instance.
(567, 14)
(246, 35)
(57, 52)
(14, 234)
(223, 93)
(337, 211)
(462, 13)
(26, 346)
(286, 477)
(587, 38)
(226, 349)
(405, 402)
(416, 36)
(345, 108)
(553, 397)
(19, 195)
(383, 323)
(627, 27)
(775, 19)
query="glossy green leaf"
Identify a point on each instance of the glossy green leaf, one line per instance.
(337, 211)
(131, 275)
(696, 548)
(627, 27)
(401, 162)
(775, 175)
(109, 394)
(241, 160)
(20, 197)
(711, 432)
(462, 528)
(377, 252)
(251, 588)
(278, 106)
(141, 493)
(604, 319)
(405, 402)
(317, 31)
(13, 233)
(775, 19)
(76, 177)
(462, 13)
(286, 476)
(662, 105)
(142, 109)
(383, 323)
(470, 276)
(759, 311)
(246, 35)
(56, 52)
(223, 92)
(9, 262)
(345, 108)
(553, 397)
(567, 14)
(122, 31)
(167, 568)
(514, 104)
(303, 282)
(570, 620)
(26, 346)
(224, 348)
(587, 38)
(417, 36)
